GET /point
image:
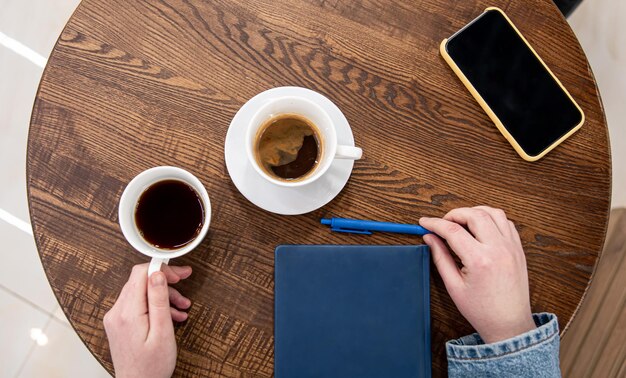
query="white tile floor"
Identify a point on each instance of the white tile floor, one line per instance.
(32, 327)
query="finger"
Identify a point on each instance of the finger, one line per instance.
(512, 228)
(514, 232)
(461, 242)
(178, 300)
(479, 223)
(182, 271)
(446, 266)
(499, 218)
(132, 299)
(159, 307)
(176, 273)
(177, 315)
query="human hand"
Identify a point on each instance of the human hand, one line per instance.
(491, 289)
(139, 325)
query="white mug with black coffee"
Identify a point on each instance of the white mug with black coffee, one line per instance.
(291, 141)
(164, 213)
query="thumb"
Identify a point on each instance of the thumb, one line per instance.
(446, 266)
(159, 307)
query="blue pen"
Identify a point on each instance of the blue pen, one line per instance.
(366, 227)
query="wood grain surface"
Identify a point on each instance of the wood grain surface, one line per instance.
(135, 84)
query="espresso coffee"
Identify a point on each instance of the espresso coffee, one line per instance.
(288, 147)
(169, 214)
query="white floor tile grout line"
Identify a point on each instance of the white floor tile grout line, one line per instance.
(21, 298)
(15, 221)
(22, 50)
(65, 322)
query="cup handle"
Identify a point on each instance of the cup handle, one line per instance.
(348, 152)
(155, 265)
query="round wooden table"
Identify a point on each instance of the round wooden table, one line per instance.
(136, 84)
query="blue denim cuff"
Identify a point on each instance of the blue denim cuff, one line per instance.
(472, 347)
(532, 354)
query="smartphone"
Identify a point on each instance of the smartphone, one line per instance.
(524, 99)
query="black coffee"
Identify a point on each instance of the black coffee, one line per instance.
(288, 147)
(169, 214)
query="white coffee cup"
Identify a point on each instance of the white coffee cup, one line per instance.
(128, 205)
(314, 113)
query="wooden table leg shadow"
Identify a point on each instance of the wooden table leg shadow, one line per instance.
(594, 345)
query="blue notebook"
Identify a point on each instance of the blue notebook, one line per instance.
(352, 311)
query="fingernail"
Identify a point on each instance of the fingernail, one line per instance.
(157, 279)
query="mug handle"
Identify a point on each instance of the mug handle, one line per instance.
(155, 264)
(348, 152)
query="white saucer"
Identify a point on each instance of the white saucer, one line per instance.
(272, 197)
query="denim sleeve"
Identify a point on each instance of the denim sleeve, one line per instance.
(532, 354)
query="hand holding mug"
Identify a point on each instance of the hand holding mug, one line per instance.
(139, 325)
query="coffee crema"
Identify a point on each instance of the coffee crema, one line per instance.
(169, 214)
(288, 147)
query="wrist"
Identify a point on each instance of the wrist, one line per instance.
(508, 330)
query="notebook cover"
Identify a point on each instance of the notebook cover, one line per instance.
(352, 311)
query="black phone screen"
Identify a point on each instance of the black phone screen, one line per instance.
(531, 105)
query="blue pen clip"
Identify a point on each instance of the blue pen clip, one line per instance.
(329, 222)
(348, 231)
